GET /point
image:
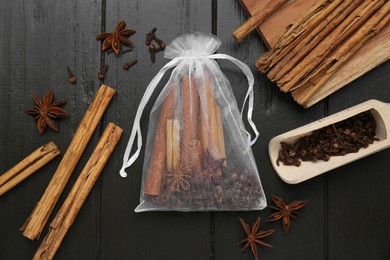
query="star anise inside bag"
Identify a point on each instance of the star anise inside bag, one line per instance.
(285, 211)
(254, 236)
(45, 111)
(114, 39)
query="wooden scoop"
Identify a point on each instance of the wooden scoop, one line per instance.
(307, 170)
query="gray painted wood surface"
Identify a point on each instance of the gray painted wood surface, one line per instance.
(348, 212)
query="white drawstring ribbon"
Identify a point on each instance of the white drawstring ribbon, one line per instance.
(127, 162)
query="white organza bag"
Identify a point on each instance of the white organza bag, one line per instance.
(198, 154)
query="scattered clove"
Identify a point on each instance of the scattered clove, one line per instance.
(130, 64)
(338, 139)
(151, 36)
(72, 78)
(152, 51)
(102, 73)
(160, 43)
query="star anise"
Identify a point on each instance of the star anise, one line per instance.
(285, 211)
(177, 178)
(254, 236)
(113, 39)
(45, 111)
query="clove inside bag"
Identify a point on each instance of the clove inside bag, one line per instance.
(198, 153)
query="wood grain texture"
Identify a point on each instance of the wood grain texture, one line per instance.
(40, 39)
(374, 53)
(348, 211)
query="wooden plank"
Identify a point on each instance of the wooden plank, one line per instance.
(273, 113)
(149, 235)
(375, 52)
(40, 39)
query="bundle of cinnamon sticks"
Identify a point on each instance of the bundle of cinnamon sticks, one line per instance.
(320, 42)
(184, 139)
(188, 167)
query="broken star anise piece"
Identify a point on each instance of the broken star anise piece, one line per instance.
(254, 236)
(285, 211)
(113, 39)
(45, 111)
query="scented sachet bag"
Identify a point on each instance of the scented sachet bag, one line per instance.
(198, 154)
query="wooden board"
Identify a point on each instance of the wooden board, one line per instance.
(375, 52)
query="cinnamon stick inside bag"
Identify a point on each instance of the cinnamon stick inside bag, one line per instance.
(159, 152)
(213, 144)
(214, 127)
(190, 144)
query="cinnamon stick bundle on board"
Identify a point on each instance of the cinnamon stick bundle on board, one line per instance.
(38, 218)
(79, 193)
(314, 47)
(301, 26)
(341, 55)
(28, 166)
(289, 58)
(319, 53)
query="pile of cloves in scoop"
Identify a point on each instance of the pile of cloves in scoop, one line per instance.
(341, 138)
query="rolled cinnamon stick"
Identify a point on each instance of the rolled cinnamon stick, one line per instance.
(213, 128)
(28, 166)
(79, 193)
(259, 16)
(38, 218)
(158, 158)
(319, 53)
(169, 144)
(341, 55)
(301, 26)
(190, 143)
(288, 58)
(176, 144)
(221, 136)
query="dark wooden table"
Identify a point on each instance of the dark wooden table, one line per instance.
(348, 215)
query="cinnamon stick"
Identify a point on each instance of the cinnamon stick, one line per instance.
(190, 145)
(301, 26)
(259, 16)
(28, 166)
(289, 58)
(169, 144)
(221, 137)
(158, 158)
(38, 218)
(319, 53)
(80, 190)
(213, 145)
(175, 144)
(374, 25)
